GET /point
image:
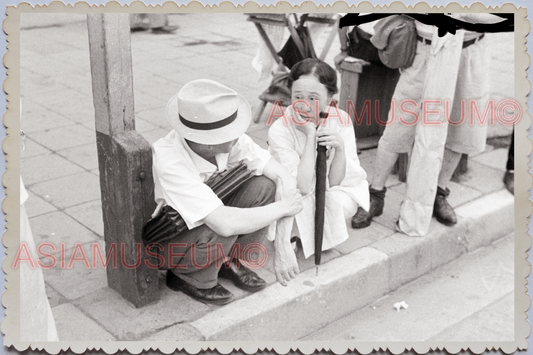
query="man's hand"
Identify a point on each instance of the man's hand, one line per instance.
(285, 263)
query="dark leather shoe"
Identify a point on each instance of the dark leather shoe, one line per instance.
(242, 277)
(442, 209)
(508, 180)
(216, 295)
(362, 218)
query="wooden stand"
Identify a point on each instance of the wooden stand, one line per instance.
(350, 71)
(290, 21)
(124, 159)
(377, 85)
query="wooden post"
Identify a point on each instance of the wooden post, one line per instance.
(124, 159)
(350, 72)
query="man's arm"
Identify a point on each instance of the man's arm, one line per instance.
(274, 170)
(285, 263)
(227, 221)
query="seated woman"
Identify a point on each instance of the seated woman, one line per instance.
(293, 141)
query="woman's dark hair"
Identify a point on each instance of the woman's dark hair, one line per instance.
(321, 70)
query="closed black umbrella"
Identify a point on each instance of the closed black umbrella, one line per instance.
(167, 222)
(320, 198)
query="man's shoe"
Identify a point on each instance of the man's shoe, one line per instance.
(216, 295)
(442, 209)
(362, 218)
(508, 180)
(242, 277)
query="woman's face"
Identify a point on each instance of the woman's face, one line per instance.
(309, 96)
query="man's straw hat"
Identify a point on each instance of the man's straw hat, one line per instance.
(207, 112)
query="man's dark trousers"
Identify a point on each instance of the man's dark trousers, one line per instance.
(198, 254)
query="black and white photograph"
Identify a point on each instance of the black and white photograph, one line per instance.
(331, 178)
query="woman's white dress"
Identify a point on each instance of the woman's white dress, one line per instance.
(286, 144)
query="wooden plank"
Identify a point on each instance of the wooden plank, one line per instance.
(350, 71)
(323, 20)
(124, 159)
(260, 110)
(268, 43)
(281, 21)
(332, 34)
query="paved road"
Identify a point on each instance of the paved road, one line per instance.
(470, 299)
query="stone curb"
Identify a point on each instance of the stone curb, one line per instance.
(353, 281)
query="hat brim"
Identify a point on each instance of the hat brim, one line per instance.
(213, 136)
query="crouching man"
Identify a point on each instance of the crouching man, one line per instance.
(209, 121)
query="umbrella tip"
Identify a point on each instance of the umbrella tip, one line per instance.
(316, 270)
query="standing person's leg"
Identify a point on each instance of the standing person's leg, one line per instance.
(385, 161)
(398, 136)
(442, 209)
(467, 134)
(383, 166)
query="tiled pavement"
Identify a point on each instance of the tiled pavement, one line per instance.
(60, 169)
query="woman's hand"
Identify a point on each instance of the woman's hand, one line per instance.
(328, 137)
(304, 125)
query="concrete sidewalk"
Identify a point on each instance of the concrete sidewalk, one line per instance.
(60, 170)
